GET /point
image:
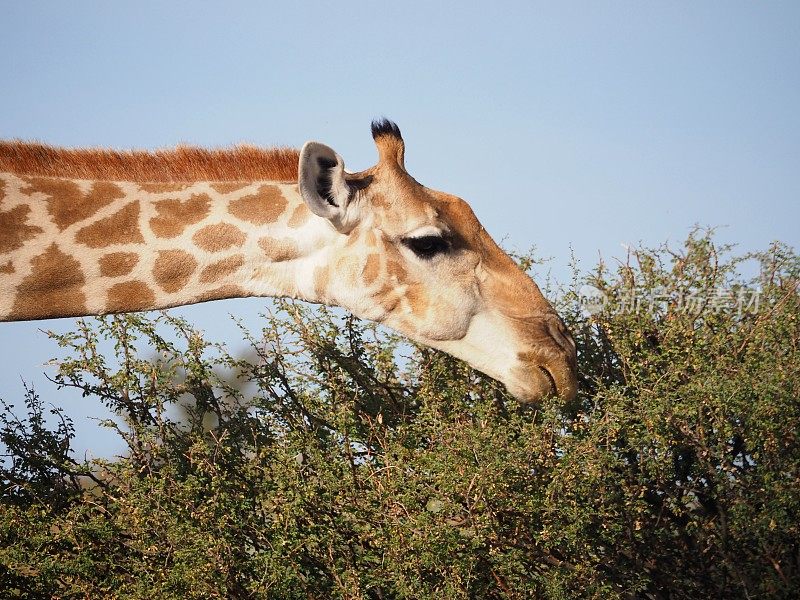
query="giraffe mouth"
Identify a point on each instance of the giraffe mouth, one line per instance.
(536, 378)
(532, 383)
(550, 379)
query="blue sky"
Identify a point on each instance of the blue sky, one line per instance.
(574, 127)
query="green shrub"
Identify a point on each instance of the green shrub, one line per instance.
(337, 460)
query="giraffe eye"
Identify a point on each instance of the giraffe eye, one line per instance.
(427, 246)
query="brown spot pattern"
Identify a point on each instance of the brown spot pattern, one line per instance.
(2, 189)
(117, 263)
(13, 229)
(120, 228)
(395, 269)
(172, 269)
(226, 187)
(221, 268)
(265, 206)
(175, 215)
(130, 295)
(379, 201)
(418, 300)
(67, 204)
(218, 237)
(279, 250)
(54, 288)
(388, 297)
(7, 268)
(371, 269)
(299, 216)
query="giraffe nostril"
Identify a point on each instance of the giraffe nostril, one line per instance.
(560, 334)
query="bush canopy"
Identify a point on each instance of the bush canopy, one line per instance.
(337, 460)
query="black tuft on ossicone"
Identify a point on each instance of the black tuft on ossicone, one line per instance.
(384, 126)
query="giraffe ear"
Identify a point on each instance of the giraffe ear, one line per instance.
(322, 184)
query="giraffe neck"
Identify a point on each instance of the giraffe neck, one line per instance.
(80, 247)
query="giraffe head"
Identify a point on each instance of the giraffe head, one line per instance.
(418, 261)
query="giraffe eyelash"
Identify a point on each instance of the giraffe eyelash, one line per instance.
(427, 246)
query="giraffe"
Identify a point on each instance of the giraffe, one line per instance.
(90, 232)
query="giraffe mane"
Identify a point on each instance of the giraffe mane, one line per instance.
(179, 164)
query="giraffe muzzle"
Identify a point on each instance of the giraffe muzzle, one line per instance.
(549, 367)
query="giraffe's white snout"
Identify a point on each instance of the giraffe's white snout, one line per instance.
(534, 358)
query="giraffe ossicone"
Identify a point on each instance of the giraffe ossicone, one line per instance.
(88, 232)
